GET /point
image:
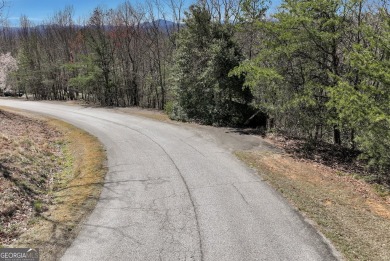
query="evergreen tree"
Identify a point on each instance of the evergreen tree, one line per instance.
(362, 97)
(103, 54)
(297, 64)
(86, 76)
(205, 56)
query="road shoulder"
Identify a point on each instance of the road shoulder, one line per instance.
(347, 210)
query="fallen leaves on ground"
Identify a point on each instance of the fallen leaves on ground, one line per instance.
(30, 155)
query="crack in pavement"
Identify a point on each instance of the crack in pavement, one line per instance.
(118, 230)
(224, 185)
(178, 171)
(239, 192)
(193, 148)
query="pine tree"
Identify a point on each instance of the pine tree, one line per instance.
(297, 64)
(205, 56)
(362, 97)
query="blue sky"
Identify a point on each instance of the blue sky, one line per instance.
(38, 10)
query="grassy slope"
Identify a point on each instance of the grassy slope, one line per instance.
(72, 192)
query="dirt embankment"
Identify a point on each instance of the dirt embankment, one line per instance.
(30, 154)
(51, 175)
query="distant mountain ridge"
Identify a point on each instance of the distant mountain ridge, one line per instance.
(161, 23)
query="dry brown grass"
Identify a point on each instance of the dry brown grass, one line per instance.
(153, 114)
(29, 154)
(347, 210)
(146, 113)
(74, 193)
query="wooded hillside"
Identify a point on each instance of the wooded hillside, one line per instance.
(318, 70)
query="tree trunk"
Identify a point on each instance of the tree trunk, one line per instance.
(353, 143)
(336, 135)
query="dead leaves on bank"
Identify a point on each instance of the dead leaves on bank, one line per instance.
(30, 153)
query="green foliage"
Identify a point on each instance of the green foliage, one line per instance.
(265, 85)
(291, 72)
(86, 74)
(362, 98)
(28, 75)
(253, 10)
(38, 206)
(318, 69)
(205, 56)
(323, 68)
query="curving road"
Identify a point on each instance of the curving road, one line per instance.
(176, 193)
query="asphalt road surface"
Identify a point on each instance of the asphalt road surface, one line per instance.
(176, 193)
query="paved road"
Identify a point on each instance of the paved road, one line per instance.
(173, 194)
